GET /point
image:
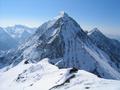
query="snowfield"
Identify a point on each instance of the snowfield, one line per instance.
(45, 76)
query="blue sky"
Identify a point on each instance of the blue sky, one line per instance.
(104, 14)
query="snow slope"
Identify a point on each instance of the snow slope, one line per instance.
(45, 76)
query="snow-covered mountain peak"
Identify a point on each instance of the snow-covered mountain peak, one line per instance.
(97, 34)
(66, 45)
(94, 31)
(63, 23)
(63, 14)
(109, 46)
(55, 57)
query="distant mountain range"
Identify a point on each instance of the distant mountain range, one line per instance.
(6, 41)
(19, 32)
(11, 37)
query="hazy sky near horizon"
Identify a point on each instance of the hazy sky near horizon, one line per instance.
(104, 14)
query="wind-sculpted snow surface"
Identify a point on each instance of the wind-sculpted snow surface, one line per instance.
(45, 76)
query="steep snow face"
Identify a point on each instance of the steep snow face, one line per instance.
(110, 46)
(19, 32)
(54, 37)
(6, 41)
(45, 76)
(66, 45)
(51, 37)
(60, 38)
